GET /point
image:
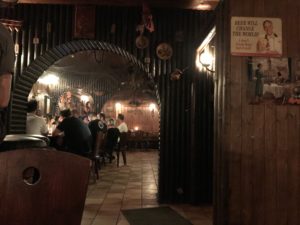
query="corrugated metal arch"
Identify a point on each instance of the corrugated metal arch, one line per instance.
(31, 74)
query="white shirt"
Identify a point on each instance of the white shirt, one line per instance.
(269, 43)
(35, 124)
(123, 127)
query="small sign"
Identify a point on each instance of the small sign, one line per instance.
(256, 36)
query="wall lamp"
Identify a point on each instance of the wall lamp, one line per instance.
(206, 60)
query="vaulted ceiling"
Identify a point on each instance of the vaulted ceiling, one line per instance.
(183, 4)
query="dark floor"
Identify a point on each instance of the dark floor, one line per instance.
(131, 186)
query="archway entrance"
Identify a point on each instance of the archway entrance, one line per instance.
(29, 77)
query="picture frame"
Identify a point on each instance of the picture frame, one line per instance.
(84, 22)
(270, 80)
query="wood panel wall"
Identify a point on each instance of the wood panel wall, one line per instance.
(53, 25)
(258, 145)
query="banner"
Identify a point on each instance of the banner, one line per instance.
(256, 36)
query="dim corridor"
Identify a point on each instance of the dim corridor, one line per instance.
(132, 186)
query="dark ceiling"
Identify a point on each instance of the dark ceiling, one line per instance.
(101, 65)
(183, 4)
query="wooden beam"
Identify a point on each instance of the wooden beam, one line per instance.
(184, 4)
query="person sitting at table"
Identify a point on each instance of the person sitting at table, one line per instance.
(35, 124)
(98, 129)
(77, 136)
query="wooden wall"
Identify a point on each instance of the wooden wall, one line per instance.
(183, 29)
(258, 145)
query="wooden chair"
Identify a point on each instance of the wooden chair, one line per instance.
(42, 187)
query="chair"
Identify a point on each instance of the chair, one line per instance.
(21, 141)
(122, 146)
(42, 187)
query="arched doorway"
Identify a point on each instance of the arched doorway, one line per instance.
(25, 82)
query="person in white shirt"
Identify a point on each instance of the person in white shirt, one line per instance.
(35, 124)
(122, 125)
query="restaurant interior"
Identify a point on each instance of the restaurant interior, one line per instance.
(202, 145)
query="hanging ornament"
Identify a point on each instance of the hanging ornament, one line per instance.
(164, 51)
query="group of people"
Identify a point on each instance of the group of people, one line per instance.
(78, 135)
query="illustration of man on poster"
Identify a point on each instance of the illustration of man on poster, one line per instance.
(269, 42)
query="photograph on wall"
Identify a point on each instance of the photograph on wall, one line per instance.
(270, 80)
(256, 36)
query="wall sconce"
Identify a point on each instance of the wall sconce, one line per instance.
(206, 60)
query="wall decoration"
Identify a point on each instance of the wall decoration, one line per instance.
(270, 80)
(141, 42)
(164, 51)
(84, 22)
(253, 36)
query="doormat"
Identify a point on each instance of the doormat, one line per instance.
(154, 216)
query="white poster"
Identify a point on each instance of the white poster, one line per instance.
(256, 36)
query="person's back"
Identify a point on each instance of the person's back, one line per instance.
(112, 137)
(98, 129)
(35, 124)
(77, 135)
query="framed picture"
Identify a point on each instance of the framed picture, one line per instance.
(256, 36)
(270, 80)
(84, 21)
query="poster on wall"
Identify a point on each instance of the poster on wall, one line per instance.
(273, 80)
(256, 36)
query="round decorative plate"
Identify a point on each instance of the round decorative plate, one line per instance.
(141, 42)
(164, 51)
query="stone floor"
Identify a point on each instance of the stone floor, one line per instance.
(132, 186)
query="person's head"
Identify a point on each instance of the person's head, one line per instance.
(111, 122)
(268, 27)
(75, 113)
(32, 106)
(259, 65)
(121, 117)
(65, 113)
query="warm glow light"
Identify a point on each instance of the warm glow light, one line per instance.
(204, 7)
(49, 79)
(118, 106)
(206, 59)
(84, 98)
(152, 107)
(136, 128)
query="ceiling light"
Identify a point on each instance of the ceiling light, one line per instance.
(84, 98)
(204, 6)
(49, 79)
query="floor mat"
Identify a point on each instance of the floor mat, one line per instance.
(154, 216)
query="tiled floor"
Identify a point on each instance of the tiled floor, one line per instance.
(131, 186)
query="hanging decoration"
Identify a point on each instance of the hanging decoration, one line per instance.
(147, 18)
(176, 74)
(141, 41)
(164, 51)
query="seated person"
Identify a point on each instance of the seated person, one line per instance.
(34, 123)
(98, 129)
(112, 138)
(77, 136)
